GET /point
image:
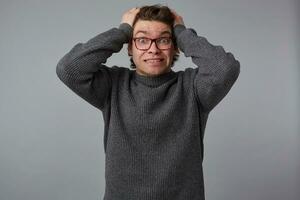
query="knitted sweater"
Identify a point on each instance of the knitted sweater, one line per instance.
(154, 126)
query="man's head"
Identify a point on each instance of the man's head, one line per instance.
(153, 45)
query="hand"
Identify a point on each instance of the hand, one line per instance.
(129, 16)
(178, 18)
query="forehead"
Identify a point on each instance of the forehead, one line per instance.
(151, 28)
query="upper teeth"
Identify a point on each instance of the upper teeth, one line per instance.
(153, 59)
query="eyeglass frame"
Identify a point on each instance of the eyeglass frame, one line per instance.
(153, 40)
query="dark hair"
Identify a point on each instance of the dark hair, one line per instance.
(156, 13)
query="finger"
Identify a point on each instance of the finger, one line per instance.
(174, 12)
(134, 9)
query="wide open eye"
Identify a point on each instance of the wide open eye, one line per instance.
(143, 41)
(164, 41)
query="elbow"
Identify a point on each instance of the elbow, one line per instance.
(65, 66)
(235, 69)
(230, 73)
(61, 71)
(59, 68)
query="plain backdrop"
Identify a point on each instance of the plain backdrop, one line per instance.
(51, 141)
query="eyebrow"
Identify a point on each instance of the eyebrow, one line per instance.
(162, 33)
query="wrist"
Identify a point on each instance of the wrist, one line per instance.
(178, 28)
(127, 30)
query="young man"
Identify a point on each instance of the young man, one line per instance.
(154, 117)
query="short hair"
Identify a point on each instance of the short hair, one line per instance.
(157, 13)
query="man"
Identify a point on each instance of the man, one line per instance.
(154, 117)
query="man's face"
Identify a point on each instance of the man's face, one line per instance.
(154, 61)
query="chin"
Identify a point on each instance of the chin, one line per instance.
(152, 70)
(157, 72)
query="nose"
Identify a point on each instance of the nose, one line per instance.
(153, 48)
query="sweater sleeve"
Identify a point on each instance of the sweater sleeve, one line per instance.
(82, 69)
(216, 70)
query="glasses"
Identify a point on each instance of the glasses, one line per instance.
(143, 43)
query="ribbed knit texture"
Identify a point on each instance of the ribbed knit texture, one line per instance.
(154, 126)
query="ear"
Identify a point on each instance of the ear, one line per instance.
(176, 50)
(129, 48)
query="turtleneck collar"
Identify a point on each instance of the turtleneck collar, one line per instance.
(154, 81)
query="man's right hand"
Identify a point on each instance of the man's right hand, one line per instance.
(177, 18)
(129, 16)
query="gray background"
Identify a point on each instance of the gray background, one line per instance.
(51, 141)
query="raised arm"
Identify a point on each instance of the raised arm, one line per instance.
(82, 69)
(216, 70)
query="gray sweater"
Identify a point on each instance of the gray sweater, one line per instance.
(154, 126)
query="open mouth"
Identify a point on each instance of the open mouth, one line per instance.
(154, 60)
